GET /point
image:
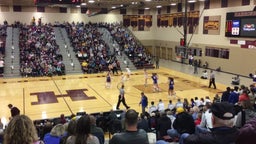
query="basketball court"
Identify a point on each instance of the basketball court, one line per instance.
(48, 97)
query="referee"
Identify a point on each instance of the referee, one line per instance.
(121, 98)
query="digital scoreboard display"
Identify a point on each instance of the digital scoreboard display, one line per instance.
(241, 24)
(75, 2)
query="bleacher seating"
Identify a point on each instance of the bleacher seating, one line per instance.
(136, 52)
(39, 53)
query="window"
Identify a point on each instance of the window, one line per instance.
(217, 52)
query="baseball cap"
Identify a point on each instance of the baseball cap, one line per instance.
(223, 110)
(179, 110)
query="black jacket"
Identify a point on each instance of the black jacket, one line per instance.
(184, 123)
(220, 135)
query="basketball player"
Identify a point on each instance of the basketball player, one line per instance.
(155, 82)
(128, 72)
(171, 86)
(108, 80)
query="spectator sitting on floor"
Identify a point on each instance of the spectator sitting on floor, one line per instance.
(204, 75)
(235, 80)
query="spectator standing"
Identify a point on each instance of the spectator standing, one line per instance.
(225, 95)
(14, 110)
(143, 102)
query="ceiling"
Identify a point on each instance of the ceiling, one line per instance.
(102, 3)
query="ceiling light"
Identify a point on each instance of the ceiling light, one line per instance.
(173, 4)
(147, 0)
(121, 5)
(158, 6)
(113, 7)
(191, 1)
(91, 1)
(78, 6)
(83, 4)
(147, 8)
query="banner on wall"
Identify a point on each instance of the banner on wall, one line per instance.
(176, 19)
(138, 22)
(211, 25)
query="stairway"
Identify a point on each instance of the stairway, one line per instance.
(122, 58)
(12, 53)
(70, 60)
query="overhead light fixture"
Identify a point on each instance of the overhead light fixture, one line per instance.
(147, 8)
(121, 5)
(113, 7)
(158, 6)
(147, 0)
(91, 1)
(78, 6)
(191, 1)
(173, 4)
(83, 4)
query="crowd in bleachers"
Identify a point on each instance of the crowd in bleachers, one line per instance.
(132, 48)
(91, 50)
(3, 34)
(39, 52)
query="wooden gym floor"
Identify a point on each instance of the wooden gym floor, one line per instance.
(48, 97)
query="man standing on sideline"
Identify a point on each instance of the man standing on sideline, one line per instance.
(157, 62)
(143, 102)
(14, 110)
(132, 135)
(212, 80)
(121, 98)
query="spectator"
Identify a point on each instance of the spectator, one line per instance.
(206, 122)
(164, 123)
(96, 131)
(170, 105)
(132, 134)
(71, 130)
(184, 123)
(83, 133)
(152, 108)
(56, 134)
(223, 131)
(234, 96)
(235, 80)
(21, 130)
(247, 132)
(225, 95)
(160, 106)
(143, 123)
(247, 113)
(14, 110)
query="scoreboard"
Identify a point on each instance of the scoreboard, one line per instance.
(75, 2)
